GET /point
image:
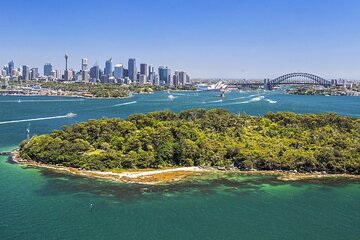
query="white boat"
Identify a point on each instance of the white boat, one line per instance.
(19, 101)
(69, 115)
(171, 97)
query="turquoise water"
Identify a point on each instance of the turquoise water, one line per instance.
(41, 204)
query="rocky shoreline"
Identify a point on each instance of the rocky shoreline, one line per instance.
(171, 175)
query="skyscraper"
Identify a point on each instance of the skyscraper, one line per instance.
(144, 69)
(84, 64)
(164, 75)
(84, 71)
(118, 71)
(47, 69)
(34, 73)
(95, 73)
(182, 77)
(132, 69)
(25, 73)
(11, 67)
(151, 69)
(108, 67)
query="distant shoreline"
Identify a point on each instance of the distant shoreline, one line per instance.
(177, 174)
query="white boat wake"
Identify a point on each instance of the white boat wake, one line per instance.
(255, 99)
(69, 115)
(270, 101)
(125, 103)
(216, 101)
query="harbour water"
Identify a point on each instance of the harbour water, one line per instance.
(41, 204)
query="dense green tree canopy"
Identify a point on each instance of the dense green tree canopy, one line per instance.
(198, 137)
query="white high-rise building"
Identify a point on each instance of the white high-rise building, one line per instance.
(84, 64)
(118, 71)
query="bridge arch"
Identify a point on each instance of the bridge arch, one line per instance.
(305, 78)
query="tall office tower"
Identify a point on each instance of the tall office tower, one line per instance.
(47, 69)
(85, 76)
(108, 67)
(164, 75)
(142, 79)
(151, 78)
(25, 73)
(126, 73)
(144, 69)
(34, 73)
(182, 78)
(176, 79)
(3, 73)
(67, 74)
(84, 71)
(156, 80)
(132, 69)
(188, 80)
(118, 71)
(95, 73)
(57, 74)
(11, 67)
(151, 69)
(84, 64)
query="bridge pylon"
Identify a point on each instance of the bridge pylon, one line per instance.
(267, 85)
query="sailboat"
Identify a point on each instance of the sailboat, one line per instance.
(19, 101)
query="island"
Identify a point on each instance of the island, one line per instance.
(197, 140)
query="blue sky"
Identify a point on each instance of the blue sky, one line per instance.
(206, 38)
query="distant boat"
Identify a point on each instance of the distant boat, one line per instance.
(19, 101)
(171, 97)
(69, 115)
(222, 95)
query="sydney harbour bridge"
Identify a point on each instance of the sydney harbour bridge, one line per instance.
(287, 79)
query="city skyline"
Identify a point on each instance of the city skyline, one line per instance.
(234, 39)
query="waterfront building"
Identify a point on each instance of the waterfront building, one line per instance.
(108, 68)
(164, 75)
(25, 73)
(47, 69)
(118, 71)
(132, 69)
